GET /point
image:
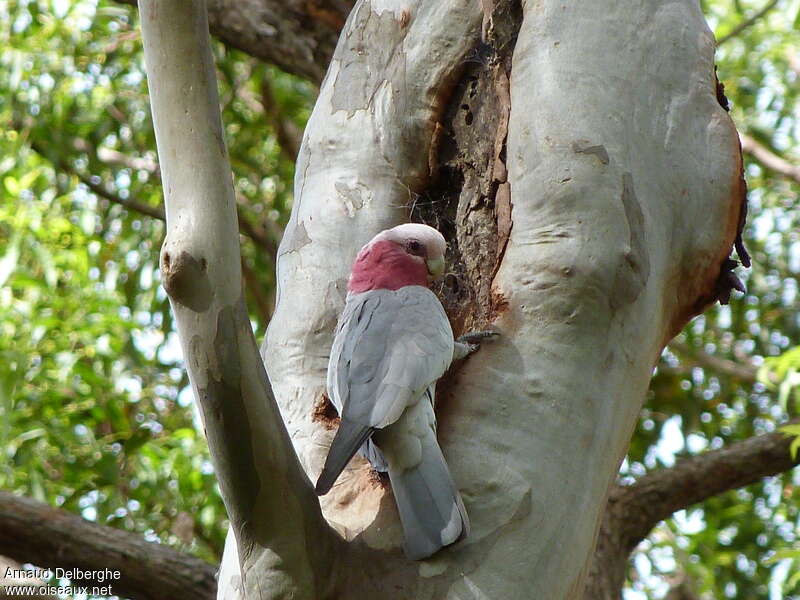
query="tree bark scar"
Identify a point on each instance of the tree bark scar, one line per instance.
(738, 243)
(352, 90)
(502, 211)
(709, 276)
(727, 281)
(720, 90)
(324, 412)
(295, 238)
(586, 147)
(502, 200)
(225, 415)
(186, 280)
(632, 275)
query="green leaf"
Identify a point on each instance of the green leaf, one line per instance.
(792, 430)
(12, 186)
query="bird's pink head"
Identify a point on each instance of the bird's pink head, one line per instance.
(409, 254)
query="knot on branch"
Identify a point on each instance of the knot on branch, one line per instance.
(185, 278)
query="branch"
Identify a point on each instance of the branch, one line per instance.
(743, 372)
(288, 134)
(33, 532)
(110, 156)
(657, 495)
(297, 37)
(262, 302)
(769, 159)
(634, 510)
(156, 212)
(751, 20)
(283, 540)
(259, 235)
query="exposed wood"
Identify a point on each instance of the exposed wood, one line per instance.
(469, 199)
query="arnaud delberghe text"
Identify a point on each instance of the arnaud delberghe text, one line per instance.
(98, 575)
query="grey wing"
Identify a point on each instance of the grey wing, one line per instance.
(391, 345)
(351, 323)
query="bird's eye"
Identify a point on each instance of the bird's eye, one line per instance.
(415, 247)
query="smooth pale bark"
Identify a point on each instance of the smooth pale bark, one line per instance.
(625, 184)
(626, 191)
(625, 179)
(364, 156)
(274, 513)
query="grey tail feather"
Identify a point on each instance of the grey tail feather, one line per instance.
(345, 444)
(430, 507)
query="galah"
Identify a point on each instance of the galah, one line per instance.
(393, 342)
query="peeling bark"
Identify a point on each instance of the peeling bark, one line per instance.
(608, 251)
(469, 199)
(618, 189)
(349, 187)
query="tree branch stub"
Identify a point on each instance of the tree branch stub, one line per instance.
(273, 510)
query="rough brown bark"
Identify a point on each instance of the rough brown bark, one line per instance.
(297, 36)
(634, 510)
(33, 532)
(469, 199)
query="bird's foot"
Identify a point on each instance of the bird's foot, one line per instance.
(470, 342)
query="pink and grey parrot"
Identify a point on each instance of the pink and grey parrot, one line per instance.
(393, 342)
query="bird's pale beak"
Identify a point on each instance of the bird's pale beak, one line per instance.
(435, 266)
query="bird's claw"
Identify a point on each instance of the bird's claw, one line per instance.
(470, 342)
(476, 337)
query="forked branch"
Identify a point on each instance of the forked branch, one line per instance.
(274, 513)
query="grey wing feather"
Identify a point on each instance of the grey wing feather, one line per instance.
(406, 345)
(430, 507)
(347, 441)
(389, 346)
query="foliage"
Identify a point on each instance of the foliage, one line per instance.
(735, 545)
(96, 416)
(95, 413)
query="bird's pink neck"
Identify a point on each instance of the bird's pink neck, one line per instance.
(385, 266)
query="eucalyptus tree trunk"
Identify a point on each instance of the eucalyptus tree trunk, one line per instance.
(589, 182)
